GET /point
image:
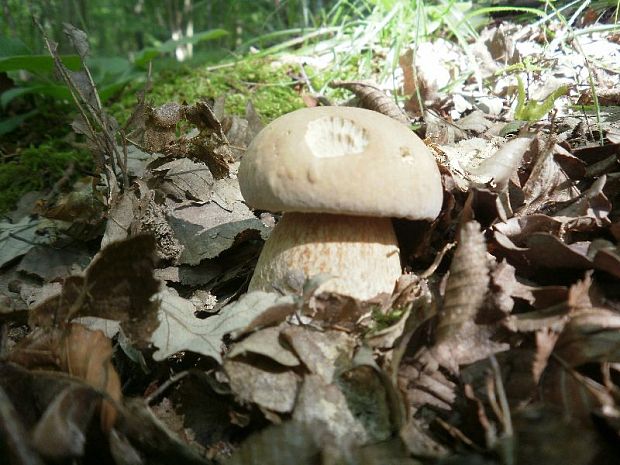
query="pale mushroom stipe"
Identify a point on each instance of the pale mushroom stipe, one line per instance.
(339, 174)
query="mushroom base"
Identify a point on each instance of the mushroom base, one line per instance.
(360, 253)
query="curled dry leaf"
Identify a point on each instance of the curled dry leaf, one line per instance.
(79, 352)
(500, 166)
(591, 335)
(13, 436)
(373, 98)
(548, 182)
(267, 343)
(61, 431)
(117, 285)
(467, 285)
(459, 339)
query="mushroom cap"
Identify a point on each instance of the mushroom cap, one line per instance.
(341, 160)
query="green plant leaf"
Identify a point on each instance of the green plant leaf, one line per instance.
(11, 47)
(171, 45)
(145, 55)
(56, 91)
(9, 124)
(533, 110)
(37, 63)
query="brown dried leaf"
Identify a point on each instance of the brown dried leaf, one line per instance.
(81, 205)
(205, 231)
(79, 352)
(283, 444)
(548, 251)
(427, 68)
(537, 424)
(589, 211)
(160, 126)
(441, 131)
(609, 261)
(153, 439)
(78, 38)
(591, 335)
(184, 179)
(548, 183)
(467, 285)
(117, 285)
(122, 217)
(459, 339)
(323, 353)
(545, 344)
(180, 329)
(334, 414)
(373, 98)
(16, 444)
(424, 383)
(266, 342)
(61, 431)
(505, 287)
(265, 384)
(476, 122)
(335, 311)
(211, 145)
(52, 263)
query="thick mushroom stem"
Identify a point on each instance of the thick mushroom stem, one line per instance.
(361, 253)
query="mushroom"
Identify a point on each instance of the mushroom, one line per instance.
(339, 174)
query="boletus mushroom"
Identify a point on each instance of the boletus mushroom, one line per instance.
(339, 174)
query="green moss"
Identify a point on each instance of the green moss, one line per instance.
(385, 320)
(268, 86)
(36, 168)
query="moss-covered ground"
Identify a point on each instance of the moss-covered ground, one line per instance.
(37, 155)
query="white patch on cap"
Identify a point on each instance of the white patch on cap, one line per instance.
(332, 136)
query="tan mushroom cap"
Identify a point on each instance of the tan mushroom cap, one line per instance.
(341, 160)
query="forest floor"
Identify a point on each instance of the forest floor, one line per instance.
(128, 335)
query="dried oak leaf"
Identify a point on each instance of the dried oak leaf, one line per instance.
(355, 407)
(589, 211)
(262, 382)
(16, 239)
(117, 285)
(537, 242)
(205, 231)
(180, 329)
(266, 342)
(53, 263)
(79, 352)
(373, 98)
(185, 180)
